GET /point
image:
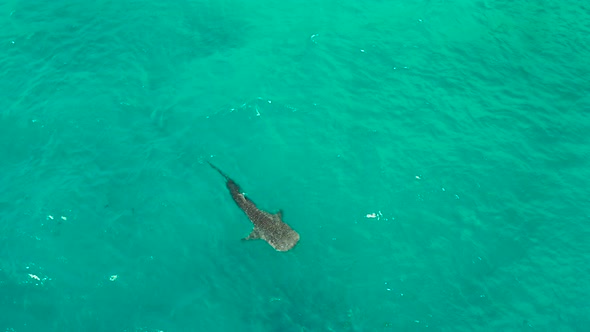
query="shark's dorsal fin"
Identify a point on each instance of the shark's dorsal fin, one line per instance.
(253, 235)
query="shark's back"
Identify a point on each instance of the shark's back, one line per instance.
(272, 229)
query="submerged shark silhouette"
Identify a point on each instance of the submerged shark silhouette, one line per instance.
(268, 227)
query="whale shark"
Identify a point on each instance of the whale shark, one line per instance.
(267, 226)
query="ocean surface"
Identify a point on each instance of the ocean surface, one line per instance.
(434, 157)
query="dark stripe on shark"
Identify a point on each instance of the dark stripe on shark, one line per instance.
(267, 226)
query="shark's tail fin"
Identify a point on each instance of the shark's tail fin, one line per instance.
(217, 169)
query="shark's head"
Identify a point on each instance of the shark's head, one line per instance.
(286, 242)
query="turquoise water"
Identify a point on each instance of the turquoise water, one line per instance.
(433, 155)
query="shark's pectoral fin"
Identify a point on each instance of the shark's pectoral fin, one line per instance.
(280, 214)
(253, 236)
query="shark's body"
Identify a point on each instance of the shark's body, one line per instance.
(267, 226)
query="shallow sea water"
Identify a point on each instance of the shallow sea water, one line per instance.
(433, 156)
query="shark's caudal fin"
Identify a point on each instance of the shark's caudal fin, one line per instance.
(217, 169)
